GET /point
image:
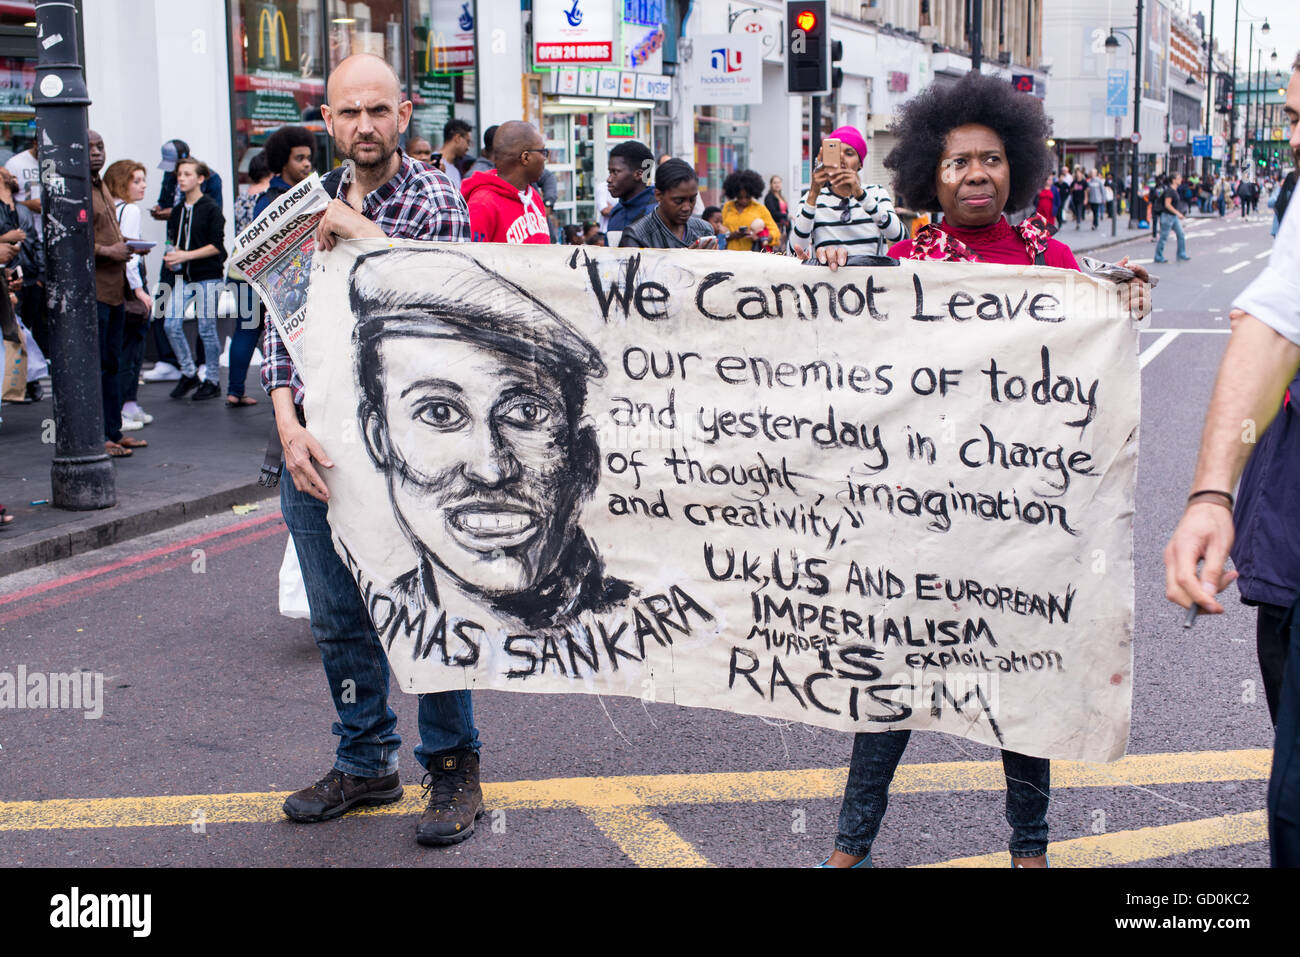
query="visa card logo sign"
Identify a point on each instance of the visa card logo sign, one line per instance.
(728, 69)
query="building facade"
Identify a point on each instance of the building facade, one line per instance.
(1091, 98)
(223, 74)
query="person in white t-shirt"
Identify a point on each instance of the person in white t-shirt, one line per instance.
(1261, 360)
(25, 168)
(604, 204)
(27, 171)
(127, 181)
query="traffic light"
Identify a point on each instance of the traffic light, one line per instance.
(807, 52)
(837, 54)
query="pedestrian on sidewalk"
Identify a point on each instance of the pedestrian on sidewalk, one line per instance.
(750, 226)
(1171, 217)
(18, 228)
(196, 253)
(31, 306)
(111, 255)
(630, 166)
(670, 224)
(127, 181)
(775, 202)
(1046, 205)
(455, 145)
(390, 196)
(1078, 196)
(840, 211)
(1262, 357)
(974, 150)
(713, 216)
(1096, 196)
(259, 180)
(169, 195)
(504, 206)
(249, 314)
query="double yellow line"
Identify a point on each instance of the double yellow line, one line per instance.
(622, 808)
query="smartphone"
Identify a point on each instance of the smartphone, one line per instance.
(831, 153)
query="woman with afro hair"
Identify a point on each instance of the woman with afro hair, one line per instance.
(973, 150)
(742, 212)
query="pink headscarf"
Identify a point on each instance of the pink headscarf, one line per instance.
(850, 136)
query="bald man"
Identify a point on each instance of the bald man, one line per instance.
(390, 195)
(504, 207)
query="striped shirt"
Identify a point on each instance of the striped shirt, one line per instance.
(867, 226)
(417, 203)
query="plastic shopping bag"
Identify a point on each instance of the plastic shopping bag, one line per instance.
(293, 593)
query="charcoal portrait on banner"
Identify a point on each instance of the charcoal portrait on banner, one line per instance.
(471, 404)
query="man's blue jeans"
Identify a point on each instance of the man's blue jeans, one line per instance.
(876, 757)
(1169, 221)
(355, 664)
(204, 295)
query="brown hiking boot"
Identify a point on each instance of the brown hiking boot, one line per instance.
(455, 799)
(335, 793)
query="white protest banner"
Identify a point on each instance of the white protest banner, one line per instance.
(887, 497)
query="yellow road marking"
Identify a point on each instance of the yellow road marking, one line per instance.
(646, 790)
(1140, 844)
(643, 835)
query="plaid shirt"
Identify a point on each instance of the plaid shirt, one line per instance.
(418, 203)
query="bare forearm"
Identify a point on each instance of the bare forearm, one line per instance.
(282, 404)
(1253, 377)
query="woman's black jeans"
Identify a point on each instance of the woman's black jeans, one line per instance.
(875, 758)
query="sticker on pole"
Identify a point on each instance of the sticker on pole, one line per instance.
(51, 86)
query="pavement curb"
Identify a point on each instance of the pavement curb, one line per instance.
(58, 545)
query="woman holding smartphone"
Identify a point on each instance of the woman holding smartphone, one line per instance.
(839, 210)
(670, 225)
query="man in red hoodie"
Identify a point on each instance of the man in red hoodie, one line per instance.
(503, 205)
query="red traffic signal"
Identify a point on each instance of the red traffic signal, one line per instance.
(806, 20)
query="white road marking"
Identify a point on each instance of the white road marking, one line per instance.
(1194, 332)
(1241, 265)
(1142, 262)
(1157, 347)
(1266, 252)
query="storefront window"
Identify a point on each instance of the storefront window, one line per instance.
(442, 67)
(17, 76)
(17, 115)
(278, 72)
(372, 27)
(721, 146)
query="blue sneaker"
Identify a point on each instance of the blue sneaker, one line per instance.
(865, 862)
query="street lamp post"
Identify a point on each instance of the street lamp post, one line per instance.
(1235, 161)
(1206, 161)
(81, 474)
(1112, 44)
